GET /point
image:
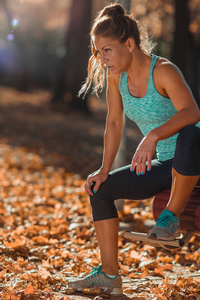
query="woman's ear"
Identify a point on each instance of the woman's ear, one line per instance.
(130, 43)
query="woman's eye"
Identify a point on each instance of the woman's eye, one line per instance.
(107, 50)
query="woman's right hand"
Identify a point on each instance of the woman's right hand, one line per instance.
(98, 178)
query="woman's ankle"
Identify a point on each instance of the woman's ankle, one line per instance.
(176, 212)
(111, 270)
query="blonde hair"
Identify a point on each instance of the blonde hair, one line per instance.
(113, 22)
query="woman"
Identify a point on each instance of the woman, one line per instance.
(153, 93)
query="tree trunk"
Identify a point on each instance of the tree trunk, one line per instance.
(186, 54)
(73, 71)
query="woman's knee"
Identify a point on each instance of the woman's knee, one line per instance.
(103, 195)
(102, 204)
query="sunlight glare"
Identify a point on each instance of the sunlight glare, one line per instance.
(14, 22)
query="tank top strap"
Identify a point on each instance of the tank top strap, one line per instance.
(153, 63)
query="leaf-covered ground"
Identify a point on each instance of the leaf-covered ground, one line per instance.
(46, 230)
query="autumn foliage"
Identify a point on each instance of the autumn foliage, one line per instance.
(46, 230)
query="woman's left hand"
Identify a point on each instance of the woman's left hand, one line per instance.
(143, 155)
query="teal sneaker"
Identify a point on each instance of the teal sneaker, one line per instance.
(167, 227)
(98, 279)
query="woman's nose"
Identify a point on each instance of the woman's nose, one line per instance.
(103, 59)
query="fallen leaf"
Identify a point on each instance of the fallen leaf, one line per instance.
(30, 290)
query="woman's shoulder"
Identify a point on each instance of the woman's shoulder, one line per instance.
(164, 65)
(164, 68)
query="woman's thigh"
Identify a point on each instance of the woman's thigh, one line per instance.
(124, 184)
(187, 155)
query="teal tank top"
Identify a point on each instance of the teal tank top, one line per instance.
(150, 111)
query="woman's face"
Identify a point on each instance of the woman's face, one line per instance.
(114, 55)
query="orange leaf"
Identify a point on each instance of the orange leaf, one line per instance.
(159, 272)
(30, 290)
(167, 267)
(135, 255)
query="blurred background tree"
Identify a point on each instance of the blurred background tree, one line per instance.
(45, 43)
(186, 49)
(73, 69)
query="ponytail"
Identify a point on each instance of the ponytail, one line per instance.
(112, 22)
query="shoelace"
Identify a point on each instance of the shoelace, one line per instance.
(167, 221)
(92, 277)
(93, 273)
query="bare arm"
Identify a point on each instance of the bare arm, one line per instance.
(114, 125)
(181, 96)
(112, 135)
(171, 83)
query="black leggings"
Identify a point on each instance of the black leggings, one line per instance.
(124, 184)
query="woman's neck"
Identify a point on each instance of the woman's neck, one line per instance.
(139, 66)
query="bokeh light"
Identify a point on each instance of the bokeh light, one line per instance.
(14, 23)
(10, 37)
